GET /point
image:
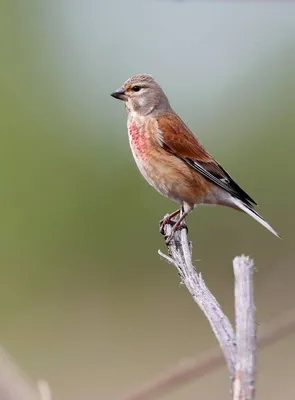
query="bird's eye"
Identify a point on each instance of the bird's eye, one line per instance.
(136, 88)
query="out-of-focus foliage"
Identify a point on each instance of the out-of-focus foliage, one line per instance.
(84, 299)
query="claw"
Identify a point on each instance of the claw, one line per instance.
(168, 220)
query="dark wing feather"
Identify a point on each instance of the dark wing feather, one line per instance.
(175, 137)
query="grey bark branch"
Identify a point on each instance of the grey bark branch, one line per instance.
(244, 387)
(239, 351)
(180, 251)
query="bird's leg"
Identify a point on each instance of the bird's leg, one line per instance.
(177, 224)
(167, 219)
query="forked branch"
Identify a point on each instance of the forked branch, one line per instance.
(239, 349)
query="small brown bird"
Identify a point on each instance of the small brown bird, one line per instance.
(172, 159)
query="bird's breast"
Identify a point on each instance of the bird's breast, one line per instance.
(137, 138)
(142, 147)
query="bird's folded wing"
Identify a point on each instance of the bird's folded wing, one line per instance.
(175, 137)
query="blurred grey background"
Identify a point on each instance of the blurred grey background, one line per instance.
(85, 300)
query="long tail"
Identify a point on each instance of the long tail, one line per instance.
(254, 214)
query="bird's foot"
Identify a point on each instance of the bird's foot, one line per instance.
(166, 220)
(176, 227)
(179, 224)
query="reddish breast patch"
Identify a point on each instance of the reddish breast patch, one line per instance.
(138, 138)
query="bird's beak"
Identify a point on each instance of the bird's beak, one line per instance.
(119, 94)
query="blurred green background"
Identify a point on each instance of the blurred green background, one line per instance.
(85, 300)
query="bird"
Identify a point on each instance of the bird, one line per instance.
(172, 159)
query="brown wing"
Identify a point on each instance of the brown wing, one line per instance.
(175, 137)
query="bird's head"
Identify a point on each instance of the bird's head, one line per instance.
(142, 95)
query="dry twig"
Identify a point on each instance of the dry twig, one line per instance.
(180, 251)
(239, 350)
(244, 384)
